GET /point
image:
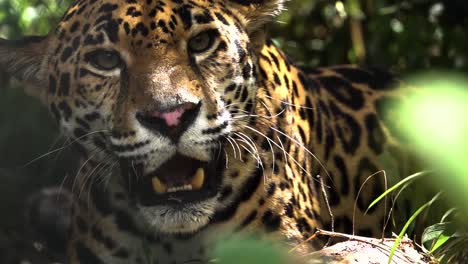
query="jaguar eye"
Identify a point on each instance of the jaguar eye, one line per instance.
(202, 41)
(105, 59)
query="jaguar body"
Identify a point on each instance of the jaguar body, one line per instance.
(193, 124)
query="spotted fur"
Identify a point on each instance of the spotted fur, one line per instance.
(283, 132)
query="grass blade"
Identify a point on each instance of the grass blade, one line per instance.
(407, 224)
(394, 187)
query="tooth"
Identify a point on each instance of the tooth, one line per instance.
(158, 186)
(198, 179)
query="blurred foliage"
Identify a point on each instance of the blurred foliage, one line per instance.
(406, 36)
(442, 111)
(29, 17)
(435, 121)
(249, 251)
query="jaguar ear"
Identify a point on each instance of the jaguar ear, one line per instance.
(24, 59)
(257, 12)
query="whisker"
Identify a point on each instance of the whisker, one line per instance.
(227, 158)
(78, 173)
(248, 141)
(62, 148)
(104, 174)
(237, 145)
(282, 146)
(231, 104)
(247, 114)
(266, 107)
(252, 146)
(289, 155)
(232, 145)
(219, 149)
(306, 149)
(128, 175)
(256, 156)
(100, 174)
(89, 181)
(87, 177)
(288, 103)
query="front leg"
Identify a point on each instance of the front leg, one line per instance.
(103, 232)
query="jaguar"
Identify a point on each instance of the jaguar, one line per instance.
(192, 123)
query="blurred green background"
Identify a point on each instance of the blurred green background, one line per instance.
(405, 36)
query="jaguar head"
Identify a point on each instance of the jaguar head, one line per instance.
(154, 86)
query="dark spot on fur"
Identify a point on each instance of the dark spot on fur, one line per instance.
(225, 192)
(108, 8)
(185, 14)
(375, 135)
(64, 84)
(347, 128)
(377, 79)
(303, 226)
(221, 18)
(101, 200)
(271, 189)
(65, 109)
(289, 209)
(245, 193)
(112, 30)
(343, 91)
(250, 217)
(271, 221)
(52, 85)
(341, 166)
(365, 169)
(125, 223)
(204, 18)
(85, 255)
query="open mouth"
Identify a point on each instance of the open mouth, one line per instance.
(179, 180)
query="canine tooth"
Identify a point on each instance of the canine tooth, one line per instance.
(158, 185)
(198, 179)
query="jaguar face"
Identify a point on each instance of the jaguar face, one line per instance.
(155, 87)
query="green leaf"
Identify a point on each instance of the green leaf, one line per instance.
(433, 232)
(396, 186)
(440, 241)
(438, 234)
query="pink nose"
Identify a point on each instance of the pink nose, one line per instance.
(172, 118)
(170, 122)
